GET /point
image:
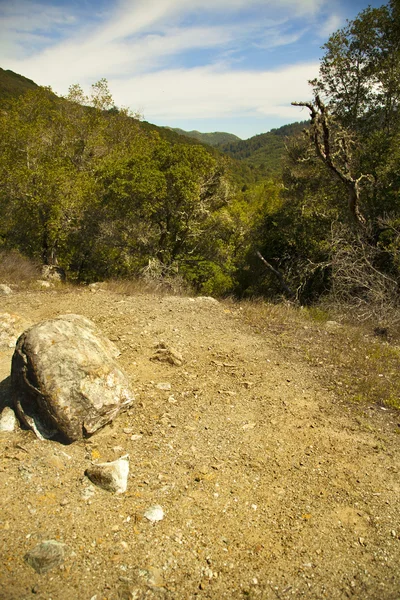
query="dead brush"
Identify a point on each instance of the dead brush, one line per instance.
(16, 269)
(151, 281)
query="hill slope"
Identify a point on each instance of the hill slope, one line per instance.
(213, 139)
(260, 155)
(271, 486)
(263, 153)
(12, 84)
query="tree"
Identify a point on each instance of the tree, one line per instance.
(354, 133)
(156, 200)
(360, 70)
(333, 145)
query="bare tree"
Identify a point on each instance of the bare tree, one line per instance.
(333, 144)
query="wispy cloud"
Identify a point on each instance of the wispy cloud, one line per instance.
(331, 24)
(139, 44)
(27, 27)
(212, 92)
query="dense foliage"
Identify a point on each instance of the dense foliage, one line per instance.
(85, 186)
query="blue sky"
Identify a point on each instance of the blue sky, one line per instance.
(210, 65)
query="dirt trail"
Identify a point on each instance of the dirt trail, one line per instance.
(271, 487)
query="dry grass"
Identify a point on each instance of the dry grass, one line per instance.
(352, 359)
(16, 269)
(142, 285)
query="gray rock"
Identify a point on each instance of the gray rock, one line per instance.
(7, 419)
(65, 381)
(165, 353)
(111, 476)
(88, 492)
(53, 273)
(5, 290)
(45, 556)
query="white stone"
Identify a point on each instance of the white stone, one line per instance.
(154, 513)
(163, 385)
(4, 289)
(111, 476)
(7, 420)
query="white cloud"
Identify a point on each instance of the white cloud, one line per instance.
(26, 27)
(273, 38)
(332, 23)
(88, 60)
(132, 44)
(210, 92)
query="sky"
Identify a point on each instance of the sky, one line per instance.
(209, 65)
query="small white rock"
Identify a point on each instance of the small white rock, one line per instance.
(154, 513)
(111, 476)
(163, 386)
(7, 420)
(4, 289)
(88, 492)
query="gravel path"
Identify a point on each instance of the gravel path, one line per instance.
(271, 487)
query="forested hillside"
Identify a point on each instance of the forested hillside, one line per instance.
(264, 153)
(303, 214)
(214, 139)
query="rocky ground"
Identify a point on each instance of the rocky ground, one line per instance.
(271, 487)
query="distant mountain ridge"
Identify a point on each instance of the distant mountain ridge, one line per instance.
(213, 139)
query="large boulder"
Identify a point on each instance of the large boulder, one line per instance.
(65, 381)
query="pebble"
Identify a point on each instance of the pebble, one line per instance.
(165, 353)
(154, 513)
(45, 556)
(7, 419)
(5, 290)
(88, 492)
(163, 385)
(111, 476)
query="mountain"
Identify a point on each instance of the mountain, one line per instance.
(213, 139)
(12, 84)
(263, 152)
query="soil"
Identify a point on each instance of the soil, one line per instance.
(271, 486)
